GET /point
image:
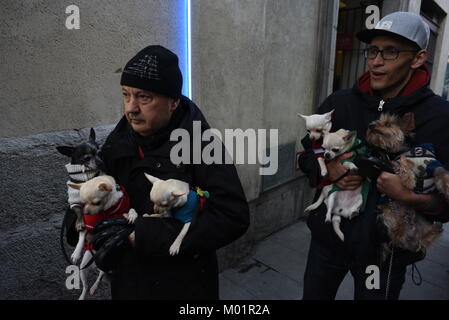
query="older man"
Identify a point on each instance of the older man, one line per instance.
(397, 82)
(154, 107)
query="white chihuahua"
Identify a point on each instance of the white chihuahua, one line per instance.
(340, 203)
(317, 125)
(167, 195)
(102, 198)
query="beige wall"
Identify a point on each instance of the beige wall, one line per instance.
(254, 67)
(54, 79)
(441, 51)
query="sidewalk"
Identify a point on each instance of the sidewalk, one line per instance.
(276, 268)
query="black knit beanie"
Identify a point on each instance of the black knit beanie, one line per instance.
(155, 69)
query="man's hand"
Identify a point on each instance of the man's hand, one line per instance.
(391, 185)
(132, 239)
(335, 170)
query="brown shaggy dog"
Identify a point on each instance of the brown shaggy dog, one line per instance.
(407, 229)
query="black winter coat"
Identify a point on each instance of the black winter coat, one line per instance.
(354, 110)
(148, 271)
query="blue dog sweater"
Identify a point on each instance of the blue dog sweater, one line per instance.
(186, 212)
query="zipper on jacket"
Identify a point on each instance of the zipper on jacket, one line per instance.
(381, 105)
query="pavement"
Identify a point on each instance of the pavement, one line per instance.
(275, 270)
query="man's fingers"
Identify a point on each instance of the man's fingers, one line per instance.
(353, 177)
(345, 156)
(382, 178)
(350, 182)
(348, 186)
(352, 187)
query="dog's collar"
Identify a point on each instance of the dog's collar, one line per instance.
(121, 206)
(358, 144)
(357, 148)
(79, 173)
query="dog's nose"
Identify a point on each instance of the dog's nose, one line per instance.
(327, 156)
(372, 126)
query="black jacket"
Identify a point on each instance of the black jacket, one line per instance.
(354, 109)
(148, 271)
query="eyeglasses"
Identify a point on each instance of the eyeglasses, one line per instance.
(386, 54)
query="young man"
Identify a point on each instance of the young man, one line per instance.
(397, 82)
(154, 107)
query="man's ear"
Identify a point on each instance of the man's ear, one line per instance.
(174, 104)
(419, 59)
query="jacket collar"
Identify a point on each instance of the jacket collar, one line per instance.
(124, 142)
(414, 92)
(122, 206)
(419, 79)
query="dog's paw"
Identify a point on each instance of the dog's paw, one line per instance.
(350, 166)
(79, 226)
(323, 172)
(75, 257)
(83, 295)
(174, 248)
(93, 289)
(132, 216)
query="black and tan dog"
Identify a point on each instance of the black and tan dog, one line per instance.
(406, 228)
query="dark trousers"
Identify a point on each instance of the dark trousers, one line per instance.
(326, 268)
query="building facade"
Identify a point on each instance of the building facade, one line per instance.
(253, 64)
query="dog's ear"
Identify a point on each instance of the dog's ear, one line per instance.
(152, 179)
(75, 186)
(178, 193)
(407, 122)
(105, 187)
(349, 136)
(329, 115)
(302, 116)
(65, 150)
(92, 135)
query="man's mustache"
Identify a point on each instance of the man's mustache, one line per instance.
(130, 117)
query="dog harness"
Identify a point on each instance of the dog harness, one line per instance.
(317, 147)
(423, 156)
(78, 174)
(357, 148)
(116, 211)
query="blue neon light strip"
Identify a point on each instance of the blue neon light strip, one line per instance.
(189, 52)
(185, 49)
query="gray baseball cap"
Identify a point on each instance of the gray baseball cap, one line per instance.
(405, 24)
